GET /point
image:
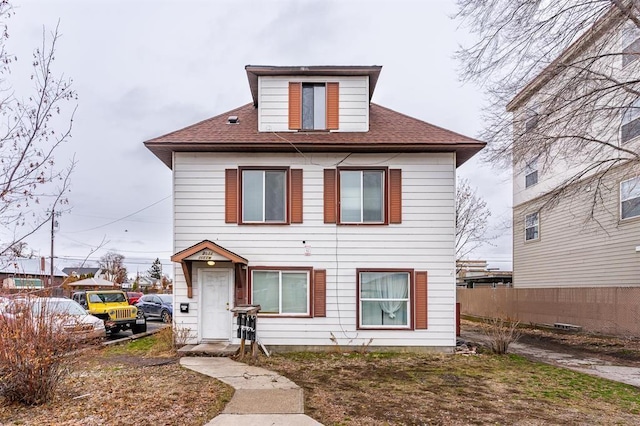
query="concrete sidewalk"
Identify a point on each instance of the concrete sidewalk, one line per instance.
(262, 397)
(591, 365)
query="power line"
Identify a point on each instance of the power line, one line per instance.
(122, 218)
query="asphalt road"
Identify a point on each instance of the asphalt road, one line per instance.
(152, 324)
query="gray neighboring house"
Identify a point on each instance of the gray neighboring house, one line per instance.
(32, 273)
(559, 247)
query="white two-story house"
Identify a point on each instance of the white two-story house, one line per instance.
(334, 214)
(583, 112)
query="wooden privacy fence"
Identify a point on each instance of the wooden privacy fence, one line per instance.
(607, 310)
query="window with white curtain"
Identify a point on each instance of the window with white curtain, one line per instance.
(264, 196)
(362, 196)
(280, 292)
(384, 299)
(531, 227)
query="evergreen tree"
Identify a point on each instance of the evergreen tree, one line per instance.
(155, 272)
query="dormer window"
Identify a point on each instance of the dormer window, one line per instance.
(313, 106)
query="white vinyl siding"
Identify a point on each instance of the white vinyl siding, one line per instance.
(423, 241)
(273, 102)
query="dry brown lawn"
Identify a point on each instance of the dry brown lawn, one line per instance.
(139, 384)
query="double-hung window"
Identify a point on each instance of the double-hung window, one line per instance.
(362, 196)
(630, 198)
(531, 227)
(314, 106)
(264, 196)
(281, 292)
(630, 126)
(531, 173)
(384, 299)
(630, 43)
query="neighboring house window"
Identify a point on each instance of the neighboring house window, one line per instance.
(630, 198)
(531, 118)
(531, 227)
(264, 196)
(362, 197)
(282, 292)
(630, 127)
(314, 106)
(531, 173)
(630, 44)
(384, 299)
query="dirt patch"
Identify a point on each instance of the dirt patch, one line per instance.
(623, 351)
(110, 389)
(410, 389)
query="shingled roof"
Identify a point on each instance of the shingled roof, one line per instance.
(389, 131)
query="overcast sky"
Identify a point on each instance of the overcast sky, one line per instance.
(145, 68)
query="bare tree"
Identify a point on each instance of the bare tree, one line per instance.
(570, 76)
(32, 128)
(472, 220)
(112, 265)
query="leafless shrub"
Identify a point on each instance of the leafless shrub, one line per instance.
(32, 352)
(170, 339)
(501, 333)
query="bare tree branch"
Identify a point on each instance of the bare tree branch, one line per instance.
(32, 185)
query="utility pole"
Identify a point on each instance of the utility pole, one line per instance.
(53, 227)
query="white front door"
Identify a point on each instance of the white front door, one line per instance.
(215, 317)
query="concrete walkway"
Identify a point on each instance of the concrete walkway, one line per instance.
(262, 397)
(592, 365)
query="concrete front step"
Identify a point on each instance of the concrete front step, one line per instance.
(209, 349)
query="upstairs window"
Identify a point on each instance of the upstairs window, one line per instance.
(630, 126)
(264, 196)
(313, 106)
(531, 227)
(630, 198)
(362, 197)
(531, 173)
(630, 44)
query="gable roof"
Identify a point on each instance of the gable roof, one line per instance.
(80, 271)
(389, 131)
(21, 266)
(582, 43)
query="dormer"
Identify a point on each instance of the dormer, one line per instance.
(312, 99)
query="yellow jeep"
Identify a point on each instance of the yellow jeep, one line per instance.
(113, 308)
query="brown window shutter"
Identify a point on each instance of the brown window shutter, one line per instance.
(330, 196)
(231, 196)
(333, 106)
(421, 300)
(295, 106)
(395, 196)
(296, 195)
(319, 293)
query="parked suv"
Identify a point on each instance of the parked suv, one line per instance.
(113, 308)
